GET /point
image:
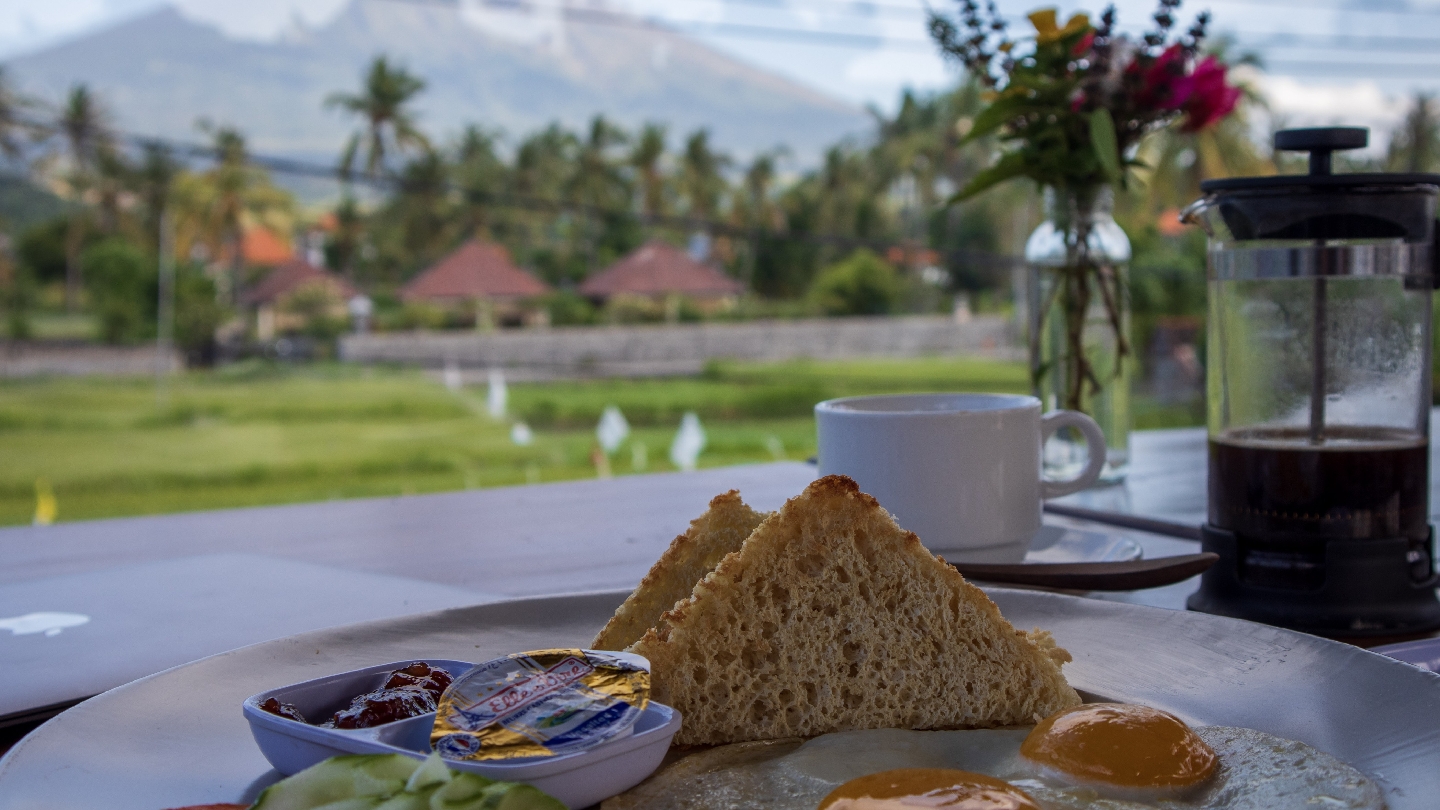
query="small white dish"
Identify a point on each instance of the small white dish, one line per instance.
(1059, 544)
(579, 779)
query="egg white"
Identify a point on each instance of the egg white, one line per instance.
(1258, 771)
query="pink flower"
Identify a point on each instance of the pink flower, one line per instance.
(1209, 98)
(1164, 84)
(1083, 46)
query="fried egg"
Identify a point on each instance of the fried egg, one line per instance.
(1122, 750)
(927, 787)
(1061, 770)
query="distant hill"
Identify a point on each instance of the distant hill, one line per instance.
(161, 72)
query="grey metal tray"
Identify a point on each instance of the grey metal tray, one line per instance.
(178, 737)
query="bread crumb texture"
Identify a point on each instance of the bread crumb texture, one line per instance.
(831, 617)
(692, 555)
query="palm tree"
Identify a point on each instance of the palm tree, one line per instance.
(154, 179)
(213, 207)
(346, 240)
(481, 175)
(756, 210)
(85, 126)
(542, 167)
(597, 183)
(421, 207)
(701, 175)
(646, 159)
(383, 104)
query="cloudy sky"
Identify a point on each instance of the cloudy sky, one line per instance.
(1326, 60)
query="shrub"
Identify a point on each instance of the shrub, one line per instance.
(862, 284)
(121, 279)
(197, 315)
(567, 308)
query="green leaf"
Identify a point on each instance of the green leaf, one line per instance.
(996, 115)
(1009, 166)
(1102, 138)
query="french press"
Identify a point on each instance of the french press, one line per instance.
(1318, 395)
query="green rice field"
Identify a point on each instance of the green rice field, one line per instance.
(254, 433)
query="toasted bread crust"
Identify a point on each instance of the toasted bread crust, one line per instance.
(831, 617)
(719, 531)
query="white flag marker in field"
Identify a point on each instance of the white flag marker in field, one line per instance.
(497, 396)
(612, 429)
(689, 442)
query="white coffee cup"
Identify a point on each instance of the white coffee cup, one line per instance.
(962, 471)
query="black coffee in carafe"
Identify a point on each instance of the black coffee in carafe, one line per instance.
(1364, 483)
(1318, 395)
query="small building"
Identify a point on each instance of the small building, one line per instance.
(662, 274)
(479, 276)
(261, 246)
(293, 293)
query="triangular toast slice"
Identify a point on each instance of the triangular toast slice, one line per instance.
(832, 617)
(692, 555)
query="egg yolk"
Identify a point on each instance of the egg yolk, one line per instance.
(1121, 744)
(927, 787)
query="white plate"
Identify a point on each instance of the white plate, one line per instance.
(1059, 544)
(179, 738)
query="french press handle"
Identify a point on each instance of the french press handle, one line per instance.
(1320, 142)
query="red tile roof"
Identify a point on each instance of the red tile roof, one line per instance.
(291, 276)
(476, 270)
(659, 269)
(264, 246)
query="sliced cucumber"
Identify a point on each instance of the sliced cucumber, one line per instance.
(397, 782)
(357, 776)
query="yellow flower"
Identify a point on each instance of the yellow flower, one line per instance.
(1048, 31)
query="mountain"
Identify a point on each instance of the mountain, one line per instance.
(514, 69)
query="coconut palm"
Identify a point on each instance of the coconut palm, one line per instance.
(598, 184)
(755, 208)
(214, 207)
(389, 124)
(645, 159)
(481, 175)
(702, 179)
(153, 182)
(85, 126)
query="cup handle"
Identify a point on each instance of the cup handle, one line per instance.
(1053, 421)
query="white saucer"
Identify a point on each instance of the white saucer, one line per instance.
(1058, 544)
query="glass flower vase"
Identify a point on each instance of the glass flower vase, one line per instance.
(1079, 324)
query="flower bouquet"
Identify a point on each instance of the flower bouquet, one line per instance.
(1070, 105)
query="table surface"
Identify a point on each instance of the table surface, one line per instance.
(518, 541)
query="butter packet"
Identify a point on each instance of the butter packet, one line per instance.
(540, 703)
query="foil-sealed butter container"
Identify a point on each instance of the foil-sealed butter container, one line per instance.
(540, 703)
